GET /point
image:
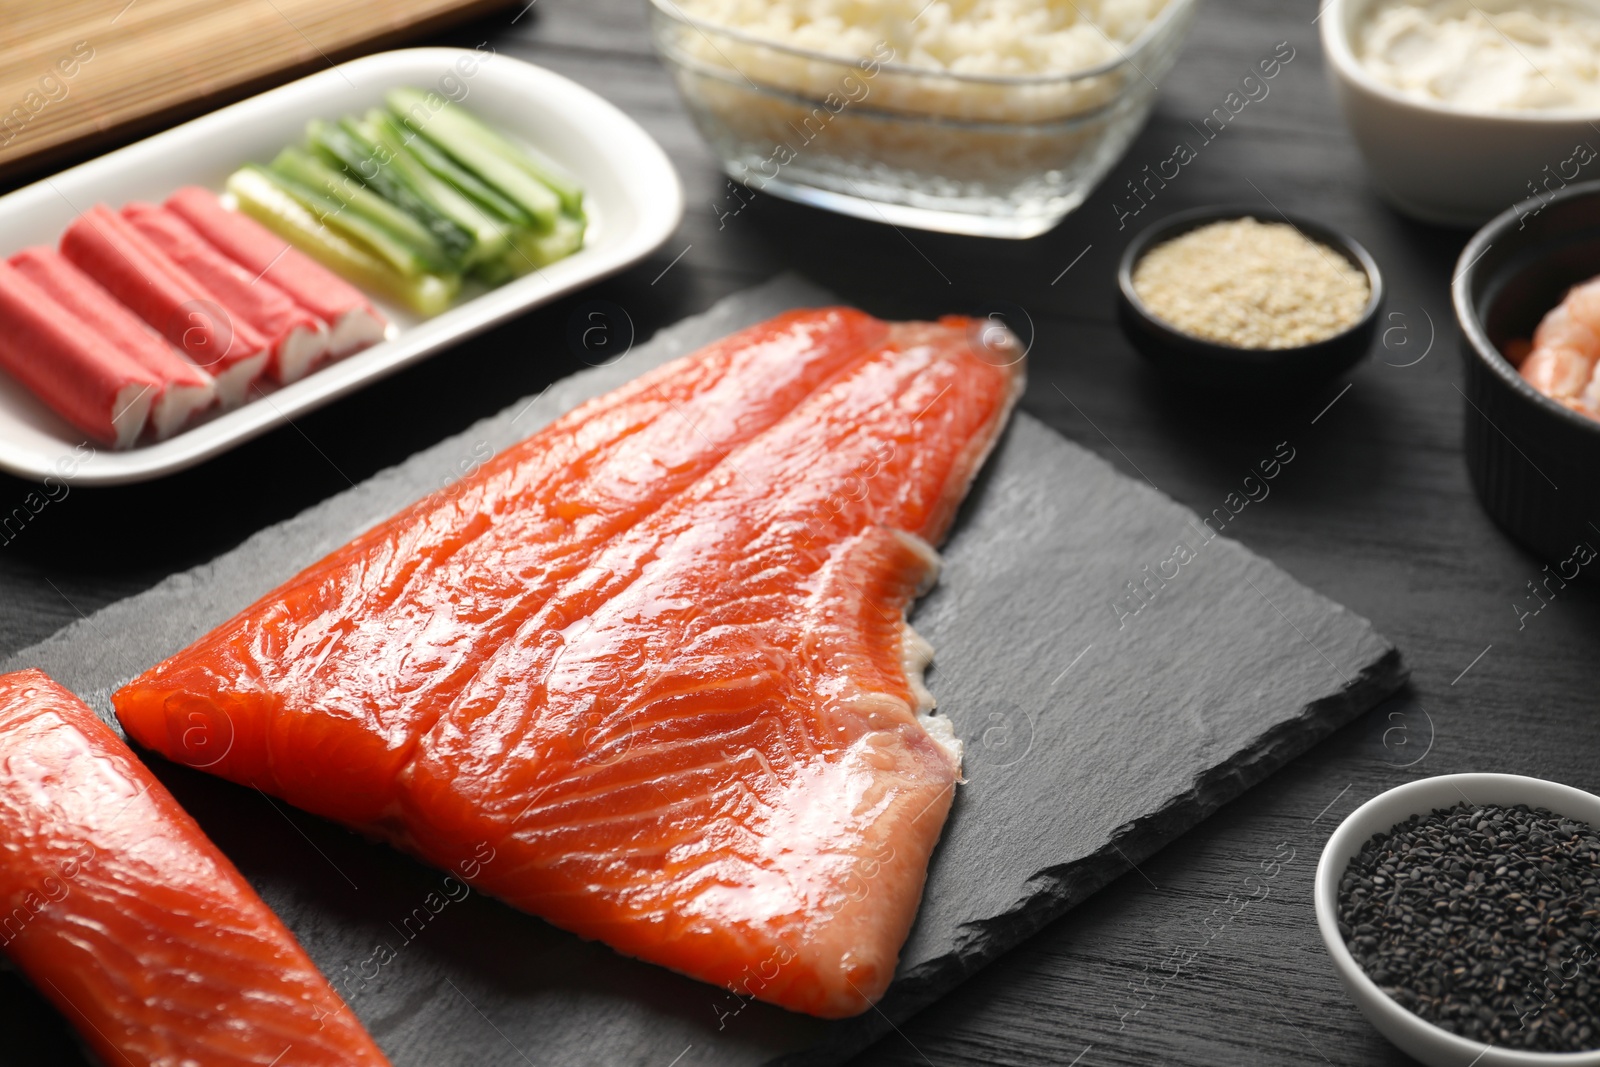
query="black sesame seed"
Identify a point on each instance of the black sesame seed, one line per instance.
(1484, 921)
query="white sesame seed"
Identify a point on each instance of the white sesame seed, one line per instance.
(1251, 284)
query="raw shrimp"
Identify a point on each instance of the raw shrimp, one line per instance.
(1566, 347)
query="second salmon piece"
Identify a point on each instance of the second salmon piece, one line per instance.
(130, 920)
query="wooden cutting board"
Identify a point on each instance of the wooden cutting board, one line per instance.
(1097, 729)
(77, 74)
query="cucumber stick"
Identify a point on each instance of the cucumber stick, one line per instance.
(397, 236)
(333, 213)
(342, 148)
(546, 170)
(564, 238)
(462, 142)
(448, 170)
(460, 125)
(531, 250)
(266, 197)
(489, 235)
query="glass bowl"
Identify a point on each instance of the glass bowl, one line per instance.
(994, 156)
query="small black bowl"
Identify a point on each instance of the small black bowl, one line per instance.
(1226, 367)
(1534, 463)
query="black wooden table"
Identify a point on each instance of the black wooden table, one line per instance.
(1376, 512)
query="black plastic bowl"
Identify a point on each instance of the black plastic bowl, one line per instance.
(1534, 463)
(1227, 367)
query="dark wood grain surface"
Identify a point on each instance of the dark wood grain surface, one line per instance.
(1376, 512)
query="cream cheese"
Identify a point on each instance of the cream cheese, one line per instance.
(1486, 55)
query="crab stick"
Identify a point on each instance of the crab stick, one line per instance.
(128, 918)
(108, 249)
(296, 338)
(71, 368)
(185, 389)
(354, 322)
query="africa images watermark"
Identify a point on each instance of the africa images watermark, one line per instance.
(1583, 553)
(53, 87)
(450, 87)
(854, 887)
(53, 888)
(1143, 589)
(1252, 89)
(52, 489)
(852, 89)
(453, 889)
(1183, 955)
(1568, 170)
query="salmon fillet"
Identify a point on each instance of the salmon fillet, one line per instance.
(131, 921)
(695, 727)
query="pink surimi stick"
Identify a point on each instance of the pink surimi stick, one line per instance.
(107, 248)
(355, 323)
(296, 338)
(185, 389)
(69, 366)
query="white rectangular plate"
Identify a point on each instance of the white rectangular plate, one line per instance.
(633, 200)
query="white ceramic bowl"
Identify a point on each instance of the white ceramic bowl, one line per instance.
(1449, 165)
(1423, 1040)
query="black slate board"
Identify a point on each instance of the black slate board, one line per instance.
(1095, 734)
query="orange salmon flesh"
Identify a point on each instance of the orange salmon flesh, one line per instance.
(655, 654)
(129, 919)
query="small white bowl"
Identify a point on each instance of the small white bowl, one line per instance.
(1418, 1038)
(1448, 165)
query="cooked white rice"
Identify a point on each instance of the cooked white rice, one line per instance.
(1006, 37)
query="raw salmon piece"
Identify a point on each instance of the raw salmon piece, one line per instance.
(657, 653)
(318, 692)
(131, 922)
(710, 749)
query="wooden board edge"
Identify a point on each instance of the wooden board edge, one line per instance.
(33, 158)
